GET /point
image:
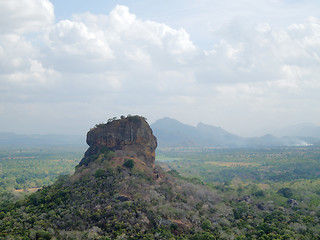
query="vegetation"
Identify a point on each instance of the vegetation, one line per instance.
(113, 203)
(129, 163)
(273, 193)
(24, 170)
(256, 165)
(207, 194)
(133, 118)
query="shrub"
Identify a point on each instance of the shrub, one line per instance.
(206, 225)
(202, 236)
(259, 193)
(42, 234)
(99, 173)
(129, 164)
(285, 192)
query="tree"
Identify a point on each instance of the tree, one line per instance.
(285, 192)
(129, 164)
(99, 173)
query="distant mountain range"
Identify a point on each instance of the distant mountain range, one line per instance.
(172, 133)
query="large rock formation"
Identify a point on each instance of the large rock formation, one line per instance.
(129, 137)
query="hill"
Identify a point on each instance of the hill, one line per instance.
(172, 133)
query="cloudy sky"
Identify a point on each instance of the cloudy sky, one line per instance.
(244, 65)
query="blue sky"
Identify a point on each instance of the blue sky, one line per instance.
(247, 66)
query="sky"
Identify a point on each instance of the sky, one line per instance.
(247, 66)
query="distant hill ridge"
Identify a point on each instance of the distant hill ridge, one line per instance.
(172, 133)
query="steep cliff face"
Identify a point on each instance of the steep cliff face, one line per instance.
(129, 137)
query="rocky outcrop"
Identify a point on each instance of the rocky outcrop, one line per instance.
(129, 137)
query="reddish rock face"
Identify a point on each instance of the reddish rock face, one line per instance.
(128, 137)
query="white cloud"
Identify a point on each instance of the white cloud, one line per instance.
(21, 69)
(20, 66)
(91, 43)
(23, 16)
(263, 27)
(15, 51)
(74, 38)
(139, 56)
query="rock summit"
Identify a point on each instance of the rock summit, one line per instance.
(129, 138)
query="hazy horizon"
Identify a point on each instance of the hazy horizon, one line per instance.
(246, 66)
(255, 133)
